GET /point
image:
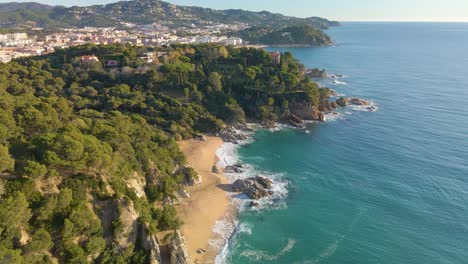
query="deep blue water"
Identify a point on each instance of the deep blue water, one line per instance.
(384, 187)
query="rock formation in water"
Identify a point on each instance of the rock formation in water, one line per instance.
(316, 73)
(255, 187)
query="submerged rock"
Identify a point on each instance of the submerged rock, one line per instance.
(255, 187)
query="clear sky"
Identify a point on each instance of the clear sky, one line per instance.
(342, 10)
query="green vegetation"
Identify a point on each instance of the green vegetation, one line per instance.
(291, 35)
(73, 134)
(140, 12)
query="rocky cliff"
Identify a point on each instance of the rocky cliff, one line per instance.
(306, 111)
(178, 250)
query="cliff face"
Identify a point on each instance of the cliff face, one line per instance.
(128, 230)
(178, 250)
(306, 111)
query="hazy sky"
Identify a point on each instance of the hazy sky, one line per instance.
(343, 10)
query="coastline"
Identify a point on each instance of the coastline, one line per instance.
(208, 202)
(262, 46)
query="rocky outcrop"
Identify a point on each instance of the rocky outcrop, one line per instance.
(130, 231)
(318, 115)
(215, 169)
(151, 245)
(231, 135)
(127, 230)
(306, 111)
(178, 250)
(358, 101)
(293, 120)
(233, 169)
(342, 101)
(255, 187)
(316, 73)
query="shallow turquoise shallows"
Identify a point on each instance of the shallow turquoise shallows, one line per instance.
(389, 186)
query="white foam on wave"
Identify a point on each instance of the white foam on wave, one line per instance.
(333, 116)
(240, 228)
(223, 229)
(228, 229)
(259, 255)
(339, 82)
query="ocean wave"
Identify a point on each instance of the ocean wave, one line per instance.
(259, 255)
(223, 229)
(339, 82)
(228, 229)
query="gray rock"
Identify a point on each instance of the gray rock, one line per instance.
(232, 169)
(178, 250)
(255, 187)
(231, 135)
(253, 204)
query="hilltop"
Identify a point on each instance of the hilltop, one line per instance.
(141, 12)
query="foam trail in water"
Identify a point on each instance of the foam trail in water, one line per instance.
(331, 249)
(259, 255)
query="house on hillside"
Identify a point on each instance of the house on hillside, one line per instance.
(89, 59)
(275, 57)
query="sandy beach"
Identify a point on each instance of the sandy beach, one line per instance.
(208, 202)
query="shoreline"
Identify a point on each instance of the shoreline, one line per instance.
(209, 201)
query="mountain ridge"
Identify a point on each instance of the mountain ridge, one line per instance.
(141, 12)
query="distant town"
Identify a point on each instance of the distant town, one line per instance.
(17, 45)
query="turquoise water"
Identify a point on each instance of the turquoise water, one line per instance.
(384, 187)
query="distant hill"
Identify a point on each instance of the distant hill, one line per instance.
(140, 12)
(290, 35)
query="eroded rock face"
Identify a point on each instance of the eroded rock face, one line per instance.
(255, 187)
(132, 232)
(306, 111)
(128, 224)
(151, 245)
(178, 250)
(293, 120)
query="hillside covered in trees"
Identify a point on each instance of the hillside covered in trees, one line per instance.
(290, 35)
(140, 12)
(85, 147)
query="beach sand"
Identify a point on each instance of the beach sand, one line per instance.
(208, 202)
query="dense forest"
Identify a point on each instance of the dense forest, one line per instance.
(74, 136)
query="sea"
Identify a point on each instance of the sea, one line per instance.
(388, 186)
